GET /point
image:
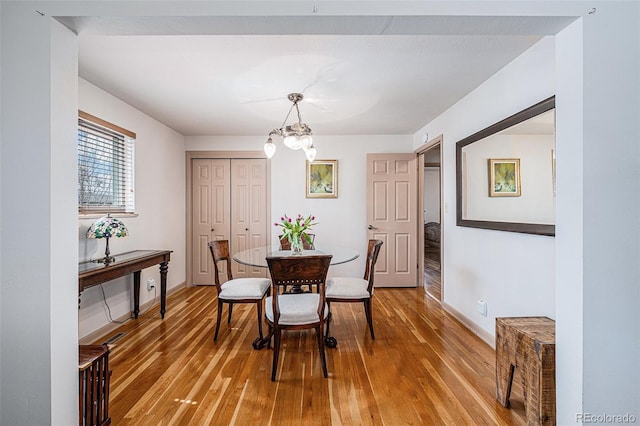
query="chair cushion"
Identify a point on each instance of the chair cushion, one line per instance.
(245, 288)
(347, 288)
(296, 309)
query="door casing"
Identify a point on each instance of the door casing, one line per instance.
(420, 151)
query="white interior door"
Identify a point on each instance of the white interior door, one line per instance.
(249, 211)
(392, 217)
(211, 211)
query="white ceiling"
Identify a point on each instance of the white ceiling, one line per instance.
(362, 77)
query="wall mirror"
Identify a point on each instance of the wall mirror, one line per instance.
(505, 174)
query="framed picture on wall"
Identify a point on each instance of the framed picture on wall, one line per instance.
(504, 177)
(322, 179)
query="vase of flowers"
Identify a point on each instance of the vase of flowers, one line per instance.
(294, 230)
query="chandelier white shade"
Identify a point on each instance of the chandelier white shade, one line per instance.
(295, 136)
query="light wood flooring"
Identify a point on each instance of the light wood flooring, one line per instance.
(432, 277)
(424, 368)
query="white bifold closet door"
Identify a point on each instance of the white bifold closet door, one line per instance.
(229, 201)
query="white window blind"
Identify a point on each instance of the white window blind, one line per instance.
(105, 169)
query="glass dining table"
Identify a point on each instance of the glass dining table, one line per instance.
(257, 257)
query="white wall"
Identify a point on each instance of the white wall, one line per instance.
(514, 273)
(38, 287)
(570, 222)
(610, 106)
(341, 221)
(64, 169)
(160, 206)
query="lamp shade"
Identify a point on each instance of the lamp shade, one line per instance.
(306, 141)
(107, 227)
(269, 148)
(311, 153)
(292, 142)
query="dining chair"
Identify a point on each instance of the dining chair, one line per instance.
(286, 245)
(354, 290)
(238, 290)
(297, 311)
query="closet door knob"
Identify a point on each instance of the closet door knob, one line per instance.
(371, 228)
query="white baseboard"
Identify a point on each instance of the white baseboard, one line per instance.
(100, 334)
(487, 337)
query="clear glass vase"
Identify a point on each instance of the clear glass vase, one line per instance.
(296, 243)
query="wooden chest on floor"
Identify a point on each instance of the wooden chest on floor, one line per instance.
(93, 366)
(528, 344)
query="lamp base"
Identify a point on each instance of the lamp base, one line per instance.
(106, 260)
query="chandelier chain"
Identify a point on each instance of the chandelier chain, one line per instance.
(298, 110)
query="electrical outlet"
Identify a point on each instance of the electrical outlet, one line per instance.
(151, 284)
(481, 306)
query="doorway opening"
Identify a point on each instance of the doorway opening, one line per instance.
(430, 184)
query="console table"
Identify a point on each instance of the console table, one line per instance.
(91, 273)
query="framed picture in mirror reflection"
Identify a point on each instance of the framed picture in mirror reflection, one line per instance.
(504, 177)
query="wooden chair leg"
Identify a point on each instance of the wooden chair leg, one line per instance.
(270, 336)
(259, 306)
(328, 319)
(367, 311)
(219, 317)
(323, 358)
(276, 353)
(230, 311)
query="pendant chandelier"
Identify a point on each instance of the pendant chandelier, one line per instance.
(296, 136)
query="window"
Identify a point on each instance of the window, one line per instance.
(105, 166)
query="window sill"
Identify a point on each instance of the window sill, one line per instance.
(82, 216)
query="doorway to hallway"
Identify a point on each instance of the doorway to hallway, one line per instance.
(430, 183)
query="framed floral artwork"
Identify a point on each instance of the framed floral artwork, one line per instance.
(504, 177)
(322, 179)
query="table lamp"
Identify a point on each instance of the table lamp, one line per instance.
(107, 227)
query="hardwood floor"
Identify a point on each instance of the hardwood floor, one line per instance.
(424, 368)
(432, 280)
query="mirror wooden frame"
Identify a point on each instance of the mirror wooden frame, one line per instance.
(526, 228)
